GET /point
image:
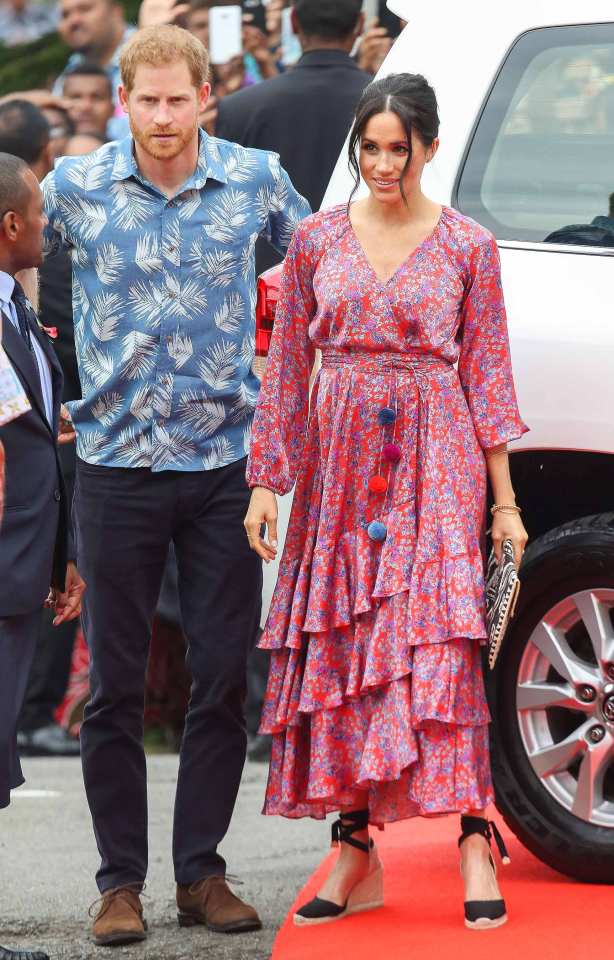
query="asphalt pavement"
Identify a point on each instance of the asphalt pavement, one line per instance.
(49, 858)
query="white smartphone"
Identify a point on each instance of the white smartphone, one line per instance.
(225, 33)
(370, 8)
(290, 46)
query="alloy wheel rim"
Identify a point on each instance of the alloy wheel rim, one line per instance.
(565, 704)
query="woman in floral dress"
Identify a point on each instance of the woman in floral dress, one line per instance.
(375, 697)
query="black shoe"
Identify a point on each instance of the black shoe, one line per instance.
(484, 914)
(22, 954)
(50, 741)
(367, 894)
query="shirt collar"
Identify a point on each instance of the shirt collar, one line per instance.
(208, 166)
(326, 58)
(7, 285)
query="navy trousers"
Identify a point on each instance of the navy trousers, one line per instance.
(18, 636)
(50, 669)
(125, 520)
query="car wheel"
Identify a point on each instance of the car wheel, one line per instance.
(552, 702)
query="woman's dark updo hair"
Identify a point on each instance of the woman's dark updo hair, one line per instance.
(415, 104)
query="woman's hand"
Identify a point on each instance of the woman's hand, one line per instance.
(262, 510)
(508, 526)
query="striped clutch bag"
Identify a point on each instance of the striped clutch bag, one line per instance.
(502, 589)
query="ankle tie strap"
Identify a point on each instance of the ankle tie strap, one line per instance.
(479, 825)
(341, 831)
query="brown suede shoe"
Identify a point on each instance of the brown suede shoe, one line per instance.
(120, 918)
(209, 901)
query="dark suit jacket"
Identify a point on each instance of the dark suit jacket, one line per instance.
(304, 115)
(34, 538)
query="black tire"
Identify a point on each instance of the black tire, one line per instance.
(573, 557)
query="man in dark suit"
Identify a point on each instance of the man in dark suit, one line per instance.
(24, 132)
(305, 113)
(35, 549)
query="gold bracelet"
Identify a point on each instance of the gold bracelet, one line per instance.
(504, 508)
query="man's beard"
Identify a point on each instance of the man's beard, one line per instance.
(144, 137)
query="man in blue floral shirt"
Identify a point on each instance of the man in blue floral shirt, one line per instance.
(162, 228)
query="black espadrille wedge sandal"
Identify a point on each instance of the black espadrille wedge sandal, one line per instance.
(368, 894)
(484, 914)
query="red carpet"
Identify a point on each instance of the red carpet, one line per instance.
(550, 916)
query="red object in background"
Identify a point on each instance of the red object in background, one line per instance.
(167, 686)
(70, 712)
(266, 304)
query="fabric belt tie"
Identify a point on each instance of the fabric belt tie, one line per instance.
(420, 366)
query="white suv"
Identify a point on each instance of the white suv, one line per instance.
(526, 96)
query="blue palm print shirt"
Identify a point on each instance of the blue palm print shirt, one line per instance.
(164, 300)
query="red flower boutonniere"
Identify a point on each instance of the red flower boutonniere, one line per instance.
(52, 332)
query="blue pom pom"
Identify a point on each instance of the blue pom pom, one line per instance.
(386, 415)
(377, 530)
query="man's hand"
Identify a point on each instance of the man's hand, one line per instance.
(66, 433)
(43, 99)
(229, 77)
(273, 13)
(68, 604)
(257, 43)
(152, 13)
(374, 48)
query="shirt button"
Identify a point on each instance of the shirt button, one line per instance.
(57, 495)
(169, 341)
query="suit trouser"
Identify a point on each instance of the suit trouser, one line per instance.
(18, 636)
(50, 669)
(125, 520)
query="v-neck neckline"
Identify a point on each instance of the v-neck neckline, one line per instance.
(406, 260)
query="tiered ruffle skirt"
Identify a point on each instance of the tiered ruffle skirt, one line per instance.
(375, 681)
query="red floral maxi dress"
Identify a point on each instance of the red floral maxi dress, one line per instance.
(375, 626)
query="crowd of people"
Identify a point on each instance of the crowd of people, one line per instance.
(95, 30)
(375, 702)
